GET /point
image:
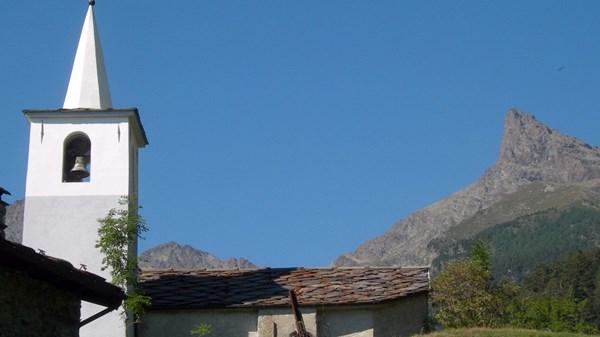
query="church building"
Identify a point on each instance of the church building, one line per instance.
(83, 158)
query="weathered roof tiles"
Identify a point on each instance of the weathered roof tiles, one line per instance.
(203, 289)
(60, 273)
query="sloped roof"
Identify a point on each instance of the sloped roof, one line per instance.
(60, 273)
(205, 289)
(88, 86)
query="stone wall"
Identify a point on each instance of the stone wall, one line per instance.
(33, 308)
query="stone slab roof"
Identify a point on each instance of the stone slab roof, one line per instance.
(212, 289)
(60, 273)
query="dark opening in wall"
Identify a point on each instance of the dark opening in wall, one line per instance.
(77, 158)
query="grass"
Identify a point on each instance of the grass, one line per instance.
(484, 332)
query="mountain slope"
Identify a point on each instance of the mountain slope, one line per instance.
(530, 199)
(530, 152)
(172, 255)
(540, 223)
(14, 221)
(519, 245)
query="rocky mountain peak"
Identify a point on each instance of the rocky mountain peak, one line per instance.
(14, 221)
(522, 138)
(530, 152)
(172, 255)
(546, 154)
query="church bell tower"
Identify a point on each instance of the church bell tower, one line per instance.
(82, 159)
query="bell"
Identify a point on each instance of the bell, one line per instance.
(79, 171)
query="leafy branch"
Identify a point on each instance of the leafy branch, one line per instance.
(118, 233)
(202, 329)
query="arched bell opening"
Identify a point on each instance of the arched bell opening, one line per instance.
(77, 158)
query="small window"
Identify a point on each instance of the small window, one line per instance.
(77, 158)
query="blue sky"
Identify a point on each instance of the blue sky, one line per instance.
(289, 132)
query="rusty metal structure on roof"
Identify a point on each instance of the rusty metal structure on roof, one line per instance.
(211, 289)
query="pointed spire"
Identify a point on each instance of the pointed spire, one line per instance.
(88, 86)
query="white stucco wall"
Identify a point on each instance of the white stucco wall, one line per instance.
(66, 227)
(110, 156)
(400, 319)
(224, 323)
(405, 318)
(345, 322)
(61, 218)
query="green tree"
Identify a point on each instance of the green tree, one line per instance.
(117, 235)
(465, 294)
(480, 255)
(564, 294)
(559, 315)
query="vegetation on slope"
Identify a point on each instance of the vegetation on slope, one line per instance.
(562, 299)
(465, 293)
(530, 199)
(575, 278)
(521, 244)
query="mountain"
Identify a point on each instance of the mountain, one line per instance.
(530, 153)
(172, 255)
(536, 197)
(14, 221)
(518, 246)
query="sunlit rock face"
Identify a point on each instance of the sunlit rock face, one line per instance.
(530, 152)
(172, 255)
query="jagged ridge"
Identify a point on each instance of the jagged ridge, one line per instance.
(172, 255)
(530, 152)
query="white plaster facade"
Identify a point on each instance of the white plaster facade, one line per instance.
(114, 145)
(60, 217)
(225, 322)
(405, 317)
(61, 212)
(399, 318)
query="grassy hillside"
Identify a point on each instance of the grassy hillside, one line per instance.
(533, 198)
(480, 332)
(545, 237)
(539, 224)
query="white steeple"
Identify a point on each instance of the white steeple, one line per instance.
(82, 160)
(88, 87)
